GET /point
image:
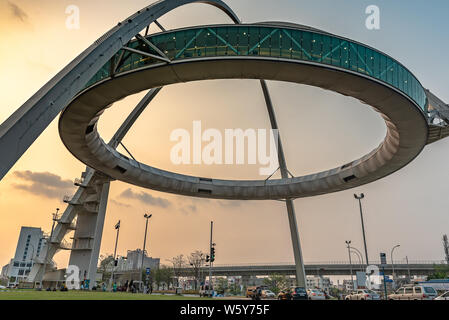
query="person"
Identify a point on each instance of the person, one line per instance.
(114, 287)
(131, 286)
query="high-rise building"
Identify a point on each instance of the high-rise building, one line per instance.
(31, 245)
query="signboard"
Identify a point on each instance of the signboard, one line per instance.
(383, 258)
(360, 282)
(148, 271)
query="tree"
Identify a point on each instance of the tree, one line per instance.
(106, 260)
(178, 263)
(441, 272)
(163, 275)
(196, 261)
(276, 282)
(222, 285)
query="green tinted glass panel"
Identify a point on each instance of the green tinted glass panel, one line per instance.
(299, 45)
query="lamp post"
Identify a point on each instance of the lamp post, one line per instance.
(359, 198)
(391, 256)
(359, 256)
(408, 269)
(117, 227)
(348, 242)
(55, 218)
(146, 216)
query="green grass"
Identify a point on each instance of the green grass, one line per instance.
(85, 295)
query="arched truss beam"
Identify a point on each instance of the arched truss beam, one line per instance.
(25, 125)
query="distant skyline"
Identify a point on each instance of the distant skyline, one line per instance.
(320, 130)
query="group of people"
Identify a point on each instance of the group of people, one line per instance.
(130, 286)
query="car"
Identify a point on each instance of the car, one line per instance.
(2, 287)
(316, 294)
(414, 293)
(268, 294)
(444, 296)
(284, 295)
(250, 291)
(298, 293)
(363, 294)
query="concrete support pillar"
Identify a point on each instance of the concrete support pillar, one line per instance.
(87, 238)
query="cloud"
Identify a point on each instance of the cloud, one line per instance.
(120, 204)
(43, 184)
(17, 11)
(146, 198)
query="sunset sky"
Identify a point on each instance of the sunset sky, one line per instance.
(320, 130)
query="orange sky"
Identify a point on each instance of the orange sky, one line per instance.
(404, 208)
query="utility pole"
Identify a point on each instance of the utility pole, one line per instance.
(392, 261)
(146, 216)
(408, 269)
(348, 243)
(212, 256)
(117, 227)
(360, 197)
(48, 244)
(446, 248)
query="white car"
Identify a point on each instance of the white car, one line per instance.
(2, 287)
(315, 294)
(268, 294)
(444, 296)
(363, 294)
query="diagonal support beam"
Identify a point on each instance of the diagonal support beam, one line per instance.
(146, 54)
(152, 46)
(159, 25)
(299, 262)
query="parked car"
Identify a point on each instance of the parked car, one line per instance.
(284, 295)
(363, 294)
(444, 296)
(298, 293)
(2, 287)
(316, 294)
(414, 293)
(268, 294)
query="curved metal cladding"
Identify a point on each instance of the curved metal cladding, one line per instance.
(277, 52)
(281, 42)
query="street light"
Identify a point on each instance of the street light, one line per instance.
(360, 197)
(348, 242)
(146, 216)
(111, 281)
(391, 256)
(359, 256)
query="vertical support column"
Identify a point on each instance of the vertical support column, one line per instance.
(299, 263)
(88, 234)
(92, 272)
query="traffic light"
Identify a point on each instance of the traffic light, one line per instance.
(207, 258)
(212, 254)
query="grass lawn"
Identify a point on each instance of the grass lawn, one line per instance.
(85, 295)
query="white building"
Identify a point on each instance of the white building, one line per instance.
(31, 244)
(133, 261)
(318, 282)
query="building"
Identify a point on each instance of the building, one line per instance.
(31, 245)
(133, 261)
(318, 282)
(4, 274)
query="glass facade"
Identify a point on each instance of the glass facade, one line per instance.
(266, 41)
